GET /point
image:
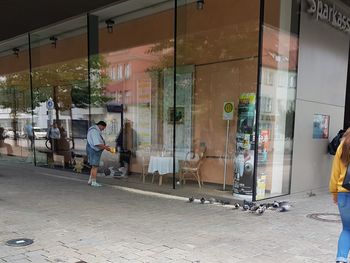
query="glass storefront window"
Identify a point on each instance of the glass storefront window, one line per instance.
(217, 62)
(138, 50)
(178, 99)
(60, 88)
(15, 101)
(277, 98)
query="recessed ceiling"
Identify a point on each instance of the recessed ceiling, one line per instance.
(18, 17)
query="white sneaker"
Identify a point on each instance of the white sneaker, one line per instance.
(95, 184)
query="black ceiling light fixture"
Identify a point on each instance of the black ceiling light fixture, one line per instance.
(16, 51)
(53, 40)
(200, 4)
(110, 23)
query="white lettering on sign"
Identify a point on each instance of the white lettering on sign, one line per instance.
(329, 14)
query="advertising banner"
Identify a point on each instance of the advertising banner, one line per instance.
(245, 144)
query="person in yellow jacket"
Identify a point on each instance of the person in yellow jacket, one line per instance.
(341, 196)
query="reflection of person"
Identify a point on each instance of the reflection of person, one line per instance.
(53, 134)
(119, 141)
(62, 146)
(94, 148)
(3, 144)
(240, 162)
(126, 145)
(28, 133)
(341, 196)
(244, 126)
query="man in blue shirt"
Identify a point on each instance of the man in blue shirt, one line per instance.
(94, 148)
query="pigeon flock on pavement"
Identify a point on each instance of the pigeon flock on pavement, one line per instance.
(256, 208)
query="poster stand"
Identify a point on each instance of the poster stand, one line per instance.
(226, 149)
(227, 116)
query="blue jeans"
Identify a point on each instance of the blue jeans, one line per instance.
(344, 238)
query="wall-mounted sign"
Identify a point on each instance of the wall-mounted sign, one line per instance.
(228, 111)
(49, 104)
(329, 14)
(320, 126)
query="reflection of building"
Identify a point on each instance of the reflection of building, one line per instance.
(130, 74)
(294, 74)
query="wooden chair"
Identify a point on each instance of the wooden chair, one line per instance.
(191, 166)
(146, 155)
(145, 164)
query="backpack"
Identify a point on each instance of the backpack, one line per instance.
(334, 144)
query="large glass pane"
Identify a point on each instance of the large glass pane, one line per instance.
(217, 62)
(15, 101)
(136, 45)
(277, 97)
(60, 93)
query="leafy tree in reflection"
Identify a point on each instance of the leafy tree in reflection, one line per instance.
(67, 83)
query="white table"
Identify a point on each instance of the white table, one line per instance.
(162, 165)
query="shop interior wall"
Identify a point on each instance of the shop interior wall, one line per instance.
(12, 63)
(231, 79)
(225, 67)
(321, 85)
(66, 50)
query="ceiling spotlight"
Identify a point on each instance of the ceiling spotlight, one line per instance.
(15, 51)
(200, 4)
(110, 23)
(53, 40)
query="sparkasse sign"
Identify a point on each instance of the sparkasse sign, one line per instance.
(329, 14)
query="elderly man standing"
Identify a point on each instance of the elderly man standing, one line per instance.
(94, 148)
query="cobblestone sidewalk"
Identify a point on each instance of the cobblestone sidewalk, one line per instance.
(72, 222)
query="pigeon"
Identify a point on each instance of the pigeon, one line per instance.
(190, 199)
(260, 210)
(311, 194)
(202, 200)
(212, 200)
(236, 206)
(269, 206)
(249, 204)
(285, 207)
(245, 207)
(275, 204)
(253, 208)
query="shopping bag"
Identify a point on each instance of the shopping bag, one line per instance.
(346, 182)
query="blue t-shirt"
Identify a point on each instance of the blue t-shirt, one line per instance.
(28, 129)
(94, 137)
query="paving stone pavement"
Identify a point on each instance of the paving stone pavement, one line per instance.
(72, 222)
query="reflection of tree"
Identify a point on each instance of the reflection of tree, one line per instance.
(165, 54)
(15, 95)
(66, 83)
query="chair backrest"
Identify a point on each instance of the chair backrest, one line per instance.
(202, 155)
(192, 156)
(194, 159)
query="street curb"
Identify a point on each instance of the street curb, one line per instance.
(124, 188)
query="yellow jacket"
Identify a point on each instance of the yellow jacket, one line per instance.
(338, 173)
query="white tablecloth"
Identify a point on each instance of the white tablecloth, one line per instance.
(164, 165)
